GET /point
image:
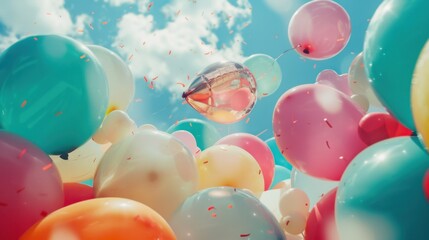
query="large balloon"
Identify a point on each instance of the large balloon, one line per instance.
(116, 126)
(119, 78)
(30, 185)
(102, 218)
(381, 195)
(53, 92)
(319, 29)
(258, 149)
(151, 167)
(188, 140)
(225, 213)
(316, 128)
(332, 79)
(223, 92)
(395, 37)
(267, 73)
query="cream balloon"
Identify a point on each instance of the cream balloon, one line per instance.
(151, 167)
(361, 101)
(294, 200)
(146, 127)
(294, 223)
(115, 127)
(231, 166)
(119, 77)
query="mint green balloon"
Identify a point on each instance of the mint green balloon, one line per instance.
(53, 92)
(395, 37)
(267, 73)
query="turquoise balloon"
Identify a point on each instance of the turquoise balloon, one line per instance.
(381, 193)
(205, 134)
(53, 92)
(279, 159)
(224, 213)
(280, 174)
(395, 37)
(267, 73)
(89, 182)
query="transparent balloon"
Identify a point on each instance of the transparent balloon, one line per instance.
(267, 73)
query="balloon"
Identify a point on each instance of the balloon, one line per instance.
(280, 174)
(361, 101)
(359, 83)
(227, 165)
(258, 149)
(381, 196)
(115, 127)
(267, 73)
(375, 127)
(53, 92)
(321, 221)
(279, 159)
(316, 127)
(79, 165)
(223, 92)
(332, 79)
(319, 29)
(315, 188)
(389, 60)
(119, 78)
(294, 223)
(89, 182)
(218, 213)
(426, 185)
(30, 186)
(77, 192)
(102, 218)
(188, 140)
(419, 95)
(294, 200)
(151, 167)
(205, 134)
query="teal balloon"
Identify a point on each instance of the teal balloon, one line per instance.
(280, 174)
(395, 37)
(206, 135)
(224, 213)
(279, 159)
(267, 73)
(381, 193)
(89, 182)
(53, 92)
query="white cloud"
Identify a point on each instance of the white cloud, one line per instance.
(186, 43)
(117, 3)
(284, 8)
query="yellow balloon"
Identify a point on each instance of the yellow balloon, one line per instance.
(420, 94)
(226, 165)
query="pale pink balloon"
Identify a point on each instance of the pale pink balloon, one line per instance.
(258, 149)
(332, 79)
(188, 140)
(320, 28)
(316, 129)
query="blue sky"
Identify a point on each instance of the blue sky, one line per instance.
(197, 32)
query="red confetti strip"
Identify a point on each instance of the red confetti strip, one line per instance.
(230, 206)
(24, 103)
(151, 85)
(149, 6)
(169, 53)
(211, 208)
(181, 84)
(327, 122)
(145, 78)
(58, 114)
(426, 185)
(205, 162)
(43, 213)
(214, 215)
(20, 190)
(47, 167)
(153, 79)
(130, 57)
(327, 144)
(104, 23)
(22, 153)
(244, 234)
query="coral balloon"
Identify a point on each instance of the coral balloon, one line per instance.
(226, 165)
(376, 186)
(188, 140)
(77, 192)
(321, 221)
(53, 92)
(218, 213)
(102, 218)
(319, 29)
(294, 200)
(267, 73)
(151, 167)
(279, 159)
(30, 185)
(223, 92)
(258, 149)
(332, 79)
(316, 127)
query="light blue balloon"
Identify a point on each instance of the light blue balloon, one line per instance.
(381, 193)
(279, 159)
(267, 73)
(53, 92)
(224, 213)
(89, 182)
(280, 174)
(395, 37)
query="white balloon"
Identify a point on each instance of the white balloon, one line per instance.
(294, 223)
(294, 200)
(361, 101)
(115, 127)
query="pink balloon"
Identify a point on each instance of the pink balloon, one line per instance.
(320, 28)
(316, 129)
(30, 185)
(258, 149)
(188, 140)
(321, 221)
(77, 192)
(332, 79)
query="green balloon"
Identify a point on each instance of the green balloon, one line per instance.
(53, 92)
(395, 37)
(267, 73)
(381, 193)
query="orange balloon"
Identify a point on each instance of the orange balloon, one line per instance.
(102, 218)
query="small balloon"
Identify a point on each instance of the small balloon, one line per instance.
(280, 174)
(332, 79)
(294, 200)
(426, 185)
(116, 125)
(319, 29)
(279, 159)
(223, 92)
(188, 140)
(294, 223)
(267, 73)
(361, 101)
(77, 192)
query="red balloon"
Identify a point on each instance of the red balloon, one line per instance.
(77, 192)
(426, 185)
(375, 127)
(321, 221)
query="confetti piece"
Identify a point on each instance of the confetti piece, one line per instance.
(80, 31)
(83, 56)
(58, 114)
(35, 39)
(205, 162)
(230, 206)
(47, 167)
(149, 6)
(327, 144)
(153, 79)
(20, 190)
(327, 122)
(214, 215)
(128, 158)
(181, 84)
(210, 208)
(22, 153)
(24, 103)
(130, 57)
(169, 53)
(247, 120)
(188, 77)
(177, 13)
(151, 86)
(245, 235)
(43, 213)
(3, 204)
(104, 23)
(145, 78)
(90, 26)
